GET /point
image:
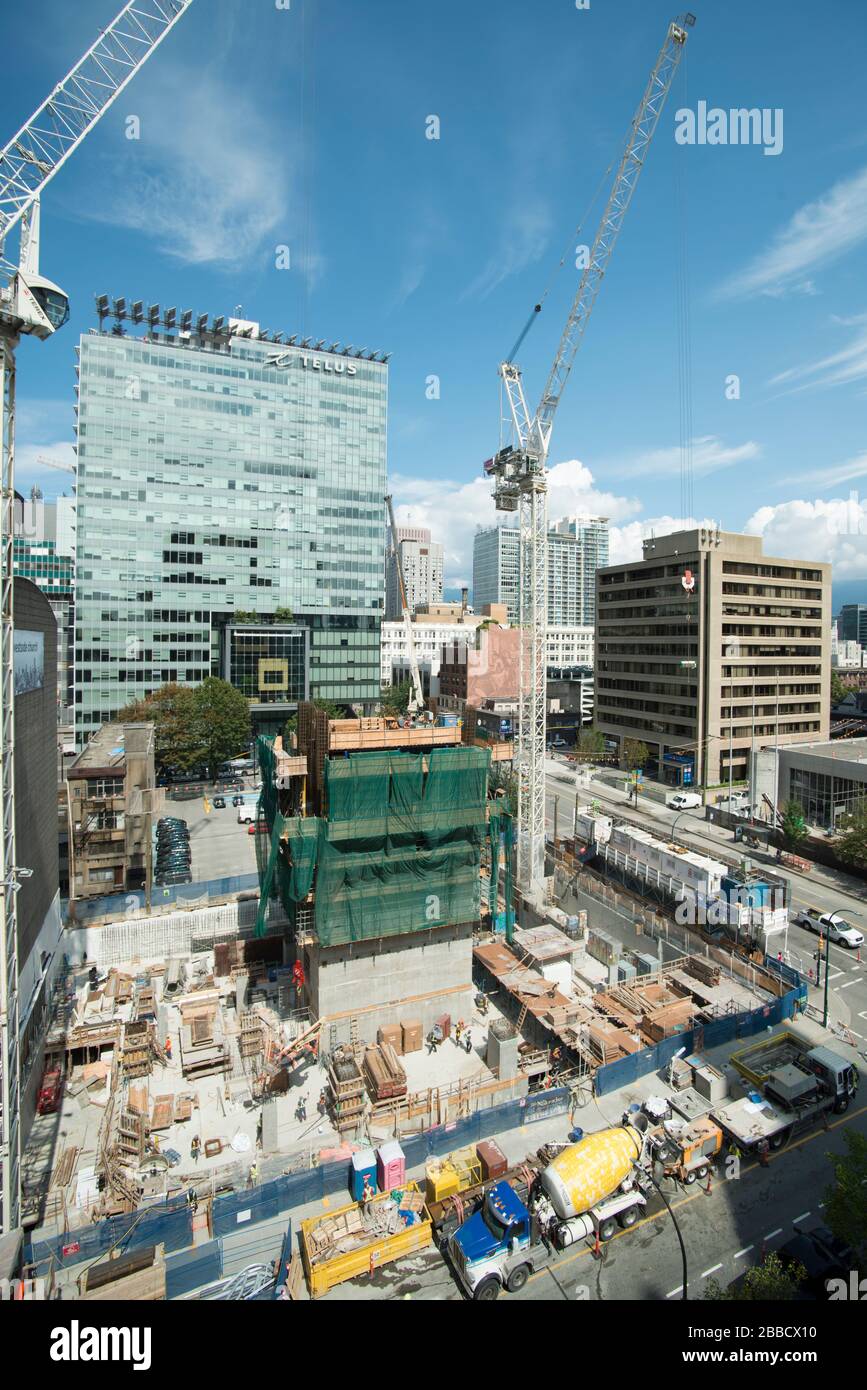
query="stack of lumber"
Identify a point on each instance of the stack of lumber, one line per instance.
(703, 970)
(384, 1072)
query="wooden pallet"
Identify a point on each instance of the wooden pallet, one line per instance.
(163, 1116)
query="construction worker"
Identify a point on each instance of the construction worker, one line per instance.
(433, 1043)
(301, 1110)
(763, 1150)
(194, 1148)
(322, 1103)
(367, 1192)
(468, 1042)
(193, 1200)
(253, 1175)
(459, 1028)
(168, 1049)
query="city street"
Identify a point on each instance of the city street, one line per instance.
(822, 888)
(724, 1233)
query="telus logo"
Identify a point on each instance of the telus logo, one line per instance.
(77, 1343)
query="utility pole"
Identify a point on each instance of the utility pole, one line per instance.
(827, 973)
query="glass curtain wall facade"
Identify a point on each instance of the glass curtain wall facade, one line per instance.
(219, 478)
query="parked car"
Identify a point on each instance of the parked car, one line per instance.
(219, 803)
(683, 801)
(238, 799)
(822, 1255)
(829, 924)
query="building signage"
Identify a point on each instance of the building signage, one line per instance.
(319, 364)
(29, 661)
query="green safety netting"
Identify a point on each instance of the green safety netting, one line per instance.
(398, 851)
(501, 824)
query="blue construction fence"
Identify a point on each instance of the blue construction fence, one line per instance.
(720, 1030)
(175, 894)
(171, 1222)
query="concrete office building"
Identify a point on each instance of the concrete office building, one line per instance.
(38, 898)
(220, 473)
(707, 648)
(422, 563)
(827, 779)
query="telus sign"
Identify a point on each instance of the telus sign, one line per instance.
(319, 364)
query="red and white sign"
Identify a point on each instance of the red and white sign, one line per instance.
(688, 581)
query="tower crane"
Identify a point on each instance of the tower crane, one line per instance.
(518, 470)
(31, 304)
(416, 699)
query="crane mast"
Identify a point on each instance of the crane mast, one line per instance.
(31, 304)
(519, 469)
(416, 699)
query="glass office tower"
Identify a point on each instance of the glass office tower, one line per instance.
(222, 478)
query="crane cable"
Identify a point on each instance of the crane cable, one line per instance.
(537, 308)
(684, 333)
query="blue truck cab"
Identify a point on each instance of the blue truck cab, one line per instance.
(498, 1246)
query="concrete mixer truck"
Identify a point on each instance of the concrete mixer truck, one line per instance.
(586, 1191)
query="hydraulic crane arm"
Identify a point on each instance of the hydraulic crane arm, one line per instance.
(416, 701)
(46, 141)
(538, 431)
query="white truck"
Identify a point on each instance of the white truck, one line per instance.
(830, 925)
(792, 1098)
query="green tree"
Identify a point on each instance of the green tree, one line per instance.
(769, 1282)
(852, 844)
(283, 615)
(634, 753)
(172, 712)
(221, 721)
(245, 615)
(591, 742)
(333, 711)
(396, 698)
(792, 823)
(839, 689)
(846, 1200)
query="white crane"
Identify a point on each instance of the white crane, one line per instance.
(30, 304)
(416, 699)
(519, 469)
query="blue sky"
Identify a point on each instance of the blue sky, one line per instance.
(305, 127)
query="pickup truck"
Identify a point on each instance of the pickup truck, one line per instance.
(829, 924)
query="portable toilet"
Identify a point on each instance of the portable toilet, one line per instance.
(390, 1166)
(363, 1167)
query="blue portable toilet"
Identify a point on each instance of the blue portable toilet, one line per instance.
(363, 1166)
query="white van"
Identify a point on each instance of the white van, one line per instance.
(683, 801)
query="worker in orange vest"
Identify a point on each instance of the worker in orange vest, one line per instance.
(168, 1049)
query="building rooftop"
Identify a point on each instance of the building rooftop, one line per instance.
(847, 750)
(109, 746)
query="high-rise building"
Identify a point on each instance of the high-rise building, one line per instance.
(422, 564)
(497, 568)
(852, 623)
(44, 553)
(707, 648)
(225, 478)
(574, 568)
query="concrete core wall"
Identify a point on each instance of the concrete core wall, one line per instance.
(418, 975)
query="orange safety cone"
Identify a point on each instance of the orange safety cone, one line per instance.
(596, 1252)
(707, 1190)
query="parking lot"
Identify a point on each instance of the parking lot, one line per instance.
(220, 846)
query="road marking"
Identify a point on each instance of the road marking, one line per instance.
(849, 984)
(678, 1290)
(802, 1217)
(713, 1269)
(771, 1234)
(746, 1250)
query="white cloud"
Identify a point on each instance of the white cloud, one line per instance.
(209, 178)
(836, 369)
(708, 455)
(28, 469)
(626, 542)
(453, 510)
(834, 530)
(831, 476)
(523, 239)
(818, 233)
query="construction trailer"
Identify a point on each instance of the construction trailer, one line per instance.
(380, 876)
